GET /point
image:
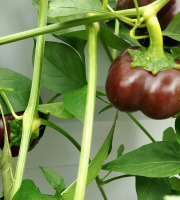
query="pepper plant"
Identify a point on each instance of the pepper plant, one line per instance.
(144, 76)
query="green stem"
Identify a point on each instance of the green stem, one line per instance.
(155, 48)
(97, 17)
(137, 10)
(156, 39)
(117, 33)
(31, 110)
(141, 127)
(89, 113)
(76, 144)
(106, 175)
(105, 4)
(10, 106)
(99, 184)
(62, 131)
(115, 178)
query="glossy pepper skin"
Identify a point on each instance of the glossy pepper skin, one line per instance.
(15, 149)
(132, 89)
(165, 15)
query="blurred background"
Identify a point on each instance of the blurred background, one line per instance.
(54, 151)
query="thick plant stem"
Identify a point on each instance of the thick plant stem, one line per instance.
(31, 111)
(89, 113)
(97, 17)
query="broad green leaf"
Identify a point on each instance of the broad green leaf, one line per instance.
(169, 135)
(113, 40)
(77, 43)
(54, 179)
(159, 159)
(20, 85)
(177, 128)
(175, 182)
(152, 188)
(112, 3)
(63, 69)
(61, 8)
(95, 165)
(7, 168)
(173, 29)
(55, 109)
(29, 191)
(75, 102)
(109, 37)
(76, 32)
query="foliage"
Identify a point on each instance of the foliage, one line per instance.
(62, 68)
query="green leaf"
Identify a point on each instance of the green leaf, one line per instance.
(35, 3)
(120, 150)
(55, 109)
(7, 168)
(113, 40)
(177, 128)
(159, 159)
(63, 69)
(75, 102)
(173, 29)
(20, 85)
(112, 3)
(95, 165)
(77, 43)
(54, 179)
(169, 135)
(175, 182)
(66, 8)
(29, 191)
(106, 108)
(152, 188)
(16, 132)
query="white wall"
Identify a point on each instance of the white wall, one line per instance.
(55, 151)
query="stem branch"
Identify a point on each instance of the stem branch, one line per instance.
(31, 111)
(89, 113)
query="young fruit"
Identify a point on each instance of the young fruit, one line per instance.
(132, 89)
(165, 15)
(15, 149)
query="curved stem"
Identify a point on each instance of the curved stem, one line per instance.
(62, 131)
(31, 110)
(137, 10)
(141, 127)
(10, 106)
(97, 17)
(116, 31)
(89, 113)
(155, 48)
(115, 178)
(99, 184)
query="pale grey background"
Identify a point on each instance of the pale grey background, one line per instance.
(54, 151)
